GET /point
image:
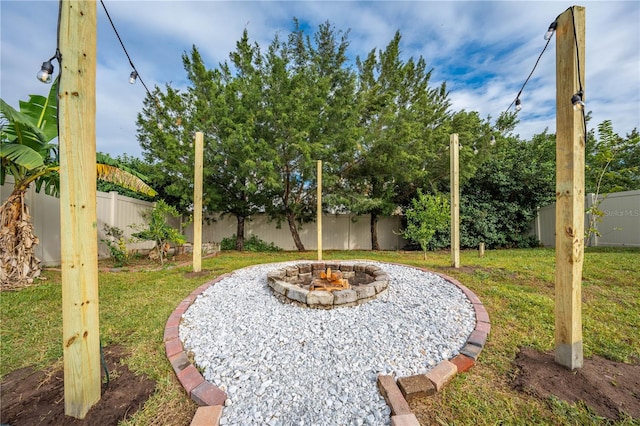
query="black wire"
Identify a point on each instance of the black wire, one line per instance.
(581, 91)
(530, 74)
(124, 48)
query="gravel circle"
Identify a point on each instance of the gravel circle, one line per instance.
(282, 364)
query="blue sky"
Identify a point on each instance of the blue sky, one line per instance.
(484, 50)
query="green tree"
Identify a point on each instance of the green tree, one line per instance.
(307, 99)
(28, 153)
(158, 230)
(427, 215)
(401, 122)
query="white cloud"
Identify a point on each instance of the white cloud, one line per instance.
(483, 50)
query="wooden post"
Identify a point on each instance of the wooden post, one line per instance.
(197, 204)
(319, 209)
(455, 200)
(481, 250)
(78, 220)
(570, 143)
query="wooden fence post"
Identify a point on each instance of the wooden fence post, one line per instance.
(570, 144)
(78, 219)
(197, 204)
(455, 199)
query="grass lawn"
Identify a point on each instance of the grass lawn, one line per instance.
(516, 287)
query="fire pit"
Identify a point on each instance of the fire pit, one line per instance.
(328, 285)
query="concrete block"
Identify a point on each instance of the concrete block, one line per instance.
(207, 416)
(418, 386)
(442, 374)
(392, 394)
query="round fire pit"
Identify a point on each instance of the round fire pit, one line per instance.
(327, 285)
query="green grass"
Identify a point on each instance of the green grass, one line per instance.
(516, 287)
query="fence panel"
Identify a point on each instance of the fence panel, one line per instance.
(620, 225)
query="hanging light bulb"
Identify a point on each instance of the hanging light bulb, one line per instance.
(577, 102)
(44, 75)
(551, 30)
(133, 77)
(518, 104)
(492, 142)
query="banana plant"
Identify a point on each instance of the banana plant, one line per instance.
(29, 153)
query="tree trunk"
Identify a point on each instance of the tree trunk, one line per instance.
(374, 232)
(294, 231)
(18, 263)
(240, 233)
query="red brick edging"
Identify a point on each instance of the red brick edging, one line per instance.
(211, 398)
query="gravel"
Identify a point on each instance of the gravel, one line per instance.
(281, 364)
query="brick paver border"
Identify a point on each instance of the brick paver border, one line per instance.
(395, 391)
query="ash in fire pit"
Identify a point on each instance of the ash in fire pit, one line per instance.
(328, 285)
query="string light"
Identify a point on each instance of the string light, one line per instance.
(518, 104)
(551, 30)
(44, 75)
(576, 100)
(132, 77)
(492, 142)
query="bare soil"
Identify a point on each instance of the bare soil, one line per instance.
(36, 397)
(609, 388)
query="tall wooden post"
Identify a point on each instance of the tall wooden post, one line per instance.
(319, 209)
(197, 204)
(78, 220)
(455, 199)
(570, 143)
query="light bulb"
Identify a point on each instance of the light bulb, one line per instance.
(518, 104)
(133, 76)
(44, 75)
(577, 102)
(475, 151)
(551, 30)
(493, 140)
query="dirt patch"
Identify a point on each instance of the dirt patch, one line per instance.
(609, 388)
(30, 397)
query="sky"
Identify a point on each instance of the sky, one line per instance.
(483, 50)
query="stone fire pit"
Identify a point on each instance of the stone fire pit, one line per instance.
(294, 284)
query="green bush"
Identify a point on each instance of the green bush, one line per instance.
(117, 245)
(254, 244)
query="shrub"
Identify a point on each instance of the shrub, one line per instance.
(117, 245)
(253, 244)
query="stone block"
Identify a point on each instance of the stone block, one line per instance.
(278, 274)
(481, 313)
(371, 269)
(173, 347)
(319, 266)
(292, 271)
(207, 416)
(346, 267)
(335, 266)
(190, 378)
(348, 274)
(478, 338)
(380, 286)
(405, 420)
(462, 362)
(179, 362)
(280, 287)
(364, 292)
(472, 351)
(304, 268)
(418, 386)
(207, 394)
(392, 394)
(341, 297)
(321, 298)
(360, 267)
(483, 326)
(442, 374)
(298, 294)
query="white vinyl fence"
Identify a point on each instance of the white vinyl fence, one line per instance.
(340, 232)
(619, 225)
